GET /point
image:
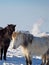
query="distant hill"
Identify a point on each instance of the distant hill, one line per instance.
(27, 32)
(47, 32)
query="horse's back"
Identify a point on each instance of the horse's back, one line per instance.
(39, 45)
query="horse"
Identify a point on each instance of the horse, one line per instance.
(30, 45)
(5, 39)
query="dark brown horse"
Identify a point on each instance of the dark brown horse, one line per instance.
(5, 38)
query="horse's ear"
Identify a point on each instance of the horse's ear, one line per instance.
(11, 25)
(14, 25)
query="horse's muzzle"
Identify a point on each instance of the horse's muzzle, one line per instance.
(14, 47)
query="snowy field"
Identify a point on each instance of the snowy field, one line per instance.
(14, 57)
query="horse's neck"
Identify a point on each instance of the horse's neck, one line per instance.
(6, 35)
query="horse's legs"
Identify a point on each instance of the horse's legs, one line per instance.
(5, 51)
(28, 61)
(47, 59)
(43, 59)
(1, 53)
(47, 63)
(43, 62)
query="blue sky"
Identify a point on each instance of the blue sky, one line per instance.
(24, 13)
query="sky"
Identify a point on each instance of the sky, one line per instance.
(25, 14)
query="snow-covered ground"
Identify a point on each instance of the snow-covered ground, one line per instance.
(15, 57)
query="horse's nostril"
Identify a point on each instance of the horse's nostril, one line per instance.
(14, 47)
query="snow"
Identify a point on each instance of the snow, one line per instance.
(15, 57)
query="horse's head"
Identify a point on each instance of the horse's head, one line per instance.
(20, 38)
(10, 28)
(17, 38)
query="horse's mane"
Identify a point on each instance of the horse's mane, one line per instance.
(27, 38)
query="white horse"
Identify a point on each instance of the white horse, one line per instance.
(31, 45)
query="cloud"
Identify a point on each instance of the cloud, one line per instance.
(36, 27)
